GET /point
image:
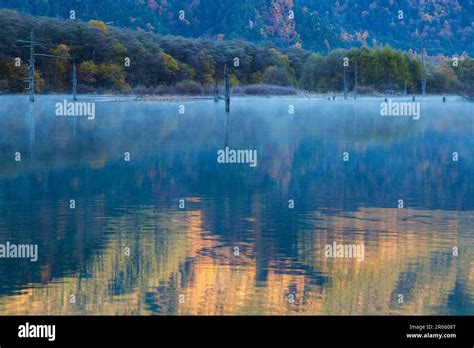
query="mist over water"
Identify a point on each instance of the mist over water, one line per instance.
(192, 251)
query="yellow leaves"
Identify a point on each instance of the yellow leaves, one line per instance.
(171, 64)
(39, 82)
(61, 50)
(234, 81)
(256, 78)
(11, 76)
(88, 71)
(60, 66)
(105, 74)
(281, 59)
(207, 79)
(99, 25)
(113, 74)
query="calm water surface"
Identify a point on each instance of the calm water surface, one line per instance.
(192, 251)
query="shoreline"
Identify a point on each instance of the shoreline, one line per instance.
(178, 97)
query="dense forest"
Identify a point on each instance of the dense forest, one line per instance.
(442, 26)
(119, 60)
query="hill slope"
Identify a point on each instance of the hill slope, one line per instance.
(445, 26)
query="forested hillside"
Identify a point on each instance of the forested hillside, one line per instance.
(443, 26)
(156, 62)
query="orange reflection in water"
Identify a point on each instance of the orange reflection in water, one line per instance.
(403, 255)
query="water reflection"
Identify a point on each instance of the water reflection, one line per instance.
(192, 251)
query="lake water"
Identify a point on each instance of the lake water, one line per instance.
(237, 247)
